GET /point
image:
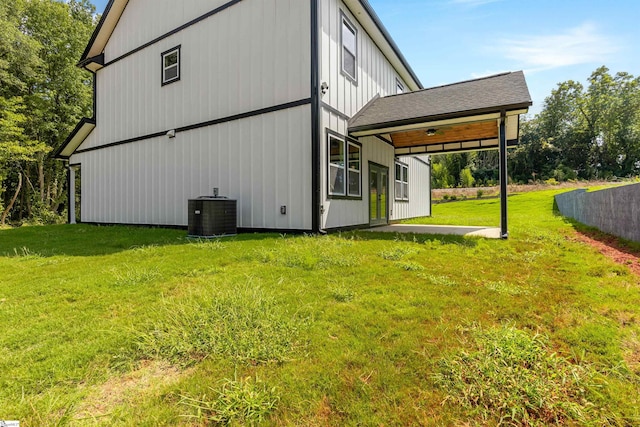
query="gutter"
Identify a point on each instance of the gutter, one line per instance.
(316, 218)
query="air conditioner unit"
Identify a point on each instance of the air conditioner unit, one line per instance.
(212, 217)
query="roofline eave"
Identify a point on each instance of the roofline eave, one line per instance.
(83, 122)
(440, 117)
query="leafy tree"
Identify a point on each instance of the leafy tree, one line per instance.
(466, 178)
(440, 177)
(586, 133)
(43, 92)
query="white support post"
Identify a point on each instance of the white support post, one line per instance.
(72, 195)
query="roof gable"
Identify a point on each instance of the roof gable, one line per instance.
(104, 29)
(506, 91)
(373, 25)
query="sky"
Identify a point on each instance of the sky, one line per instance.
(552, 41)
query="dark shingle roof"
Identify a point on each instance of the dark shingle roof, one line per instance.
(506, 91)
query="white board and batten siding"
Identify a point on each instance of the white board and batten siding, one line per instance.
(419, 203)
(375, 76)
(250, 56)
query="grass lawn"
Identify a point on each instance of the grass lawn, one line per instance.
(127, 326)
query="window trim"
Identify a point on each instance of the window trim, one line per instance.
(346, 141)
(403, 167)
(344, 20)
(163, 69)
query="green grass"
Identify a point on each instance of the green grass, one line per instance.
(128, 326)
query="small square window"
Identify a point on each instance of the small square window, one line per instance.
(171, 66)
(399, 87)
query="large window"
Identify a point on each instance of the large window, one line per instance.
(402, 181)
(171, 66)
(349, 48)
(345, 166)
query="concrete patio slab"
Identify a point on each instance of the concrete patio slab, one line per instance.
(487, 232)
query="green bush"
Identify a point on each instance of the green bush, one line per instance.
(466, 178)
(479, 194)
(42, 215)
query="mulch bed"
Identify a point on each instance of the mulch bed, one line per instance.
(611, 247)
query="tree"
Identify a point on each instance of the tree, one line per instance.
(592, 133)
(466, 178)
(15, 148)
(40, 43)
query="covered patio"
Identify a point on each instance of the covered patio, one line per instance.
(455, 230)
(480, 114)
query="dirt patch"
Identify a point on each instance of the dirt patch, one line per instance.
(611, 247)
(118, 390)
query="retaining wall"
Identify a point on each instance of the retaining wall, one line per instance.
(614, 210)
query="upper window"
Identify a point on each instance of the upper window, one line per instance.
(344, 167)
(349, 48)
(171, 66)
(399, 87)
(402, 181)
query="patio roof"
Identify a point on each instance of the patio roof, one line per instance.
(458, 117)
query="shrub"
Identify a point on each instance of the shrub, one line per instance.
(445, 197)
(479, 194)
(42, 215)
(466, 178)
(551, 181)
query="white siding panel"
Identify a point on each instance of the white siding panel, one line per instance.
(375, 73)
(145, 20)
(419, 203)
(253, 55)
(262, 161)
(346, 213)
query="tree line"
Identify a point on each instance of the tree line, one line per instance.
(43, 95)
(586, 133)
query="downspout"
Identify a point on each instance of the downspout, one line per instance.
(315, 121)
(504, 178)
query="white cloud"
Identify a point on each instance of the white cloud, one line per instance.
(579, 45)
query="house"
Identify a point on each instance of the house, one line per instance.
(305, 111)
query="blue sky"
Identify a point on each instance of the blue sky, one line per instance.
(551, 40)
